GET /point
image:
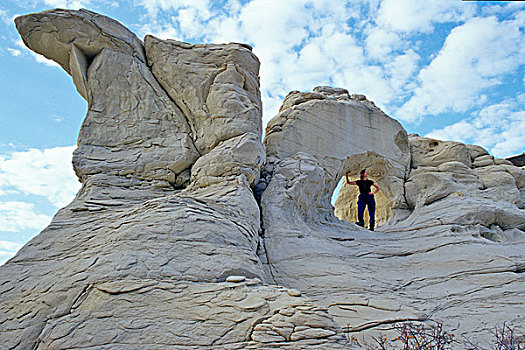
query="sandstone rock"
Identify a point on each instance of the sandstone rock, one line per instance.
(357, 125)
(163, 246)
(165, 213)
(216, 86)
(476, 151)
(430, 152)
(294, 292)
(311, 333)
(428, 184)
(419, 266)
(235, 279)
(295, 98)
(499, 161)
(133, 136)
(482, 161)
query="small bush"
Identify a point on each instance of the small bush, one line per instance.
(506, 339)
(412, 336)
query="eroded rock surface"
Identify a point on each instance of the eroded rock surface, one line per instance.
(452, 252)
(341, 133)
(144, 255)
(163, 246)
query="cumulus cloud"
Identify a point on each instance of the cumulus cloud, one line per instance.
(499, 127)
(504, 8)
(381, 42)
(153, 7)
(46, 173)
(322, 46)
(67, 4)
(475, 57)
(8, 250)
(421, 16)
(18, 216)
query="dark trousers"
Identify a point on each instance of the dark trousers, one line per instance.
(363, 201)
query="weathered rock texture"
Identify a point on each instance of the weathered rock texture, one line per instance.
(144, 255)
(452, 249)
(164, 247)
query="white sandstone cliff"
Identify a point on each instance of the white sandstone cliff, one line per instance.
(166, 246)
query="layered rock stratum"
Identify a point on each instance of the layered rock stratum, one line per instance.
(191, 233)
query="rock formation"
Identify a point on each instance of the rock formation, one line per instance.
(190, 233)
(453, 242)
(147, 254)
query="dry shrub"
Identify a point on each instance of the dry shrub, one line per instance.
(419, 336)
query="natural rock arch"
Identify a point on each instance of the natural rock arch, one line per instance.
(167, 246)
(345, 206)
(343, 132)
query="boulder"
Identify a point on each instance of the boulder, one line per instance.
(483, 161)
(430, 152)
(343, 135)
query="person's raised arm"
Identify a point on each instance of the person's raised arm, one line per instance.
(348, 180)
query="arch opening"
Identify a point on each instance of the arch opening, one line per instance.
(345, 203)
(380, 170)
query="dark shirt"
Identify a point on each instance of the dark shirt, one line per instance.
(364, 186)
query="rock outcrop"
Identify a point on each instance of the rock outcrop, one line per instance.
(190, 233)
(159, 248)
(455, 236)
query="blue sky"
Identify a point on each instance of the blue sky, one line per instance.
(444, 68)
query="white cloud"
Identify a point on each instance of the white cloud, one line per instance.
(4, 17)
(154, 6)
(46, 173)
(39, 58)
(18, 216)
(8, 250)
(500, 128)
(43, 60)
(323, 45)
(180, 20)
(420, 16)
(319, 48)
(67, 4)
(10, 246)
(475, 56)
(14, 52)
(402, 69)
(505, 8)
(381, 42)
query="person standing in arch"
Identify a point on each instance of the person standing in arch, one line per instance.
(366, 198)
